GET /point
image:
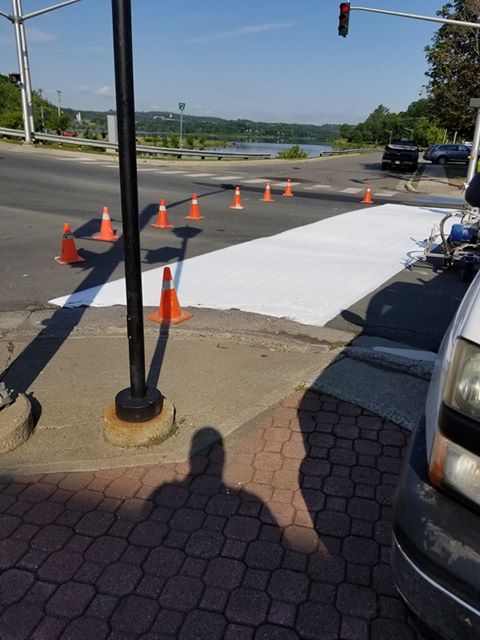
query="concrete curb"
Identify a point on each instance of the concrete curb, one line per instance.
(411, 366)
(16, 424)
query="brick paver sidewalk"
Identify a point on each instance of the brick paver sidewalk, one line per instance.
(280, 532)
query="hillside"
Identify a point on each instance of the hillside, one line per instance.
(161, 123)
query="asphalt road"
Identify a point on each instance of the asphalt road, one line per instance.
(40, 190)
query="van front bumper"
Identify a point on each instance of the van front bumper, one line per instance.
(436, 551)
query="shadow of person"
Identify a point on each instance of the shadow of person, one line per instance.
(211, 543)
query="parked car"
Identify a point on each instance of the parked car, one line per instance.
(401, 154)
(445, 153)
(69, 134)
(436, 518)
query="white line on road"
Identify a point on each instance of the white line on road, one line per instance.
(294, 274)
(227, 178)
(198, 175)
(255, 181)
(352, 190)
(170, 173)
(313, 187)
(284, 184)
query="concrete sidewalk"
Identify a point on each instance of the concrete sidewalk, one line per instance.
(220, 369)
(434, 181)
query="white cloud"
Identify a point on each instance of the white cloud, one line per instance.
(243, 31)
(37, 36)
(105, 91)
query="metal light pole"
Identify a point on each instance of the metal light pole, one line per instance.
(21, 55)
(18, 19)
(390, 131)
(472, 165)
(136, 403)
(59, 108)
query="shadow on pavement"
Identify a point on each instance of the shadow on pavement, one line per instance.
(25, 369)
(416, 310)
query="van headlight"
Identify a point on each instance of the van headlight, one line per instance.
(451, 465)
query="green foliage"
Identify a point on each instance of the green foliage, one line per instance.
(11, 109)
(382, 125)
(190, 142)
(12, 119)
(453, 61)
(293, 153)
(173, 141)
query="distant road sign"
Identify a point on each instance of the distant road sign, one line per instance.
(181, 106)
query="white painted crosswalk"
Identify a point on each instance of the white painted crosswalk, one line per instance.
(244, 180)
(309, 274)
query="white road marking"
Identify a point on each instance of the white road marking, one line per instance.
(313, 187)
(198, 175)
(295, 274)
(352, 190)
(284, 184)
(255, 181)
(386, 193)
(227, 178)
(170, 173)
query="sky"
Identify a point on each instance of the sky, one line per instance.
(262, 60)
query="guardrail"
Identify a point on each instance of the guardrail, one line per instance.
(104, 144)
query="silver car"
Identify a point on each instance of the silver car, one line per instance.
(446, 153)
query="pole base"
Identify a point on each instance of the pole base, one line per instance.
(131, 409)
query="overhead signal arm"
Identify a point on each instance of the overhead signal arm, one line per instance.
(345, 8)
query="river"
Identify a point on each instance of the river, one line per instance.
(313, 150)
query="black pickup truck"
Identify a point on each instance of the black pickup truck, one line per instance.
(401, 154)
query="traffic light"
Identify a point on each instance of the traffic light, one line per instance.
(343, 19)
(14, 78)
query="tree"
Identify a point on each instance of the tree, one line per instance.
(375, 123)
(453, 61)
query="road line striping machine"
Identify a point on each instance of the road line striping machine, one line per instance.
(462, 244)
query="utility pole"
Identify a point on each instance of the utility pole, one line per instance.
(42, 115)
(17, 18)
(59, 110)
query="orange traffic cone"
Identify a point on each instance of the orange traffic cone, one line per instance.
(288, 193)
(194, 213)
(162, 218)
(68, 253)
(169, 311)
(237, 201)
(107, 234)
(267, 196)
(367, 198)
